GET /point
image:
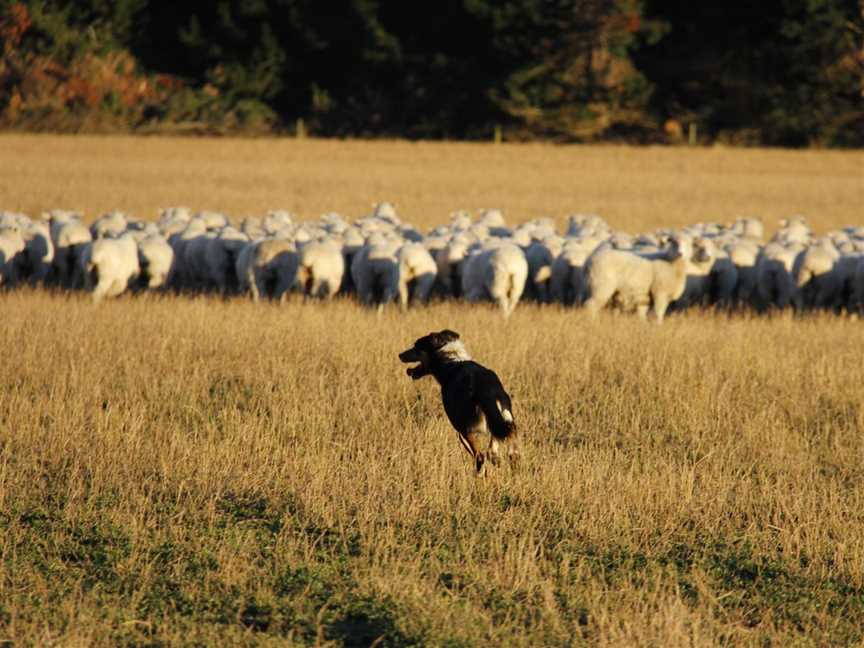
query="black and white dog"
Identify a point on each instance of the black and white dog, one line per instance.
(474, 398)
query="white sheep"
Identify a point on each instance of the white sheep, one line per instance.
(724, 279)
(193, 229)
(109, 266)
(111, 224)
(375, 273)
(793, 230)
(276, 220)
(12, 247)
(817, 285)
(320, 269)
(156, 261)
(638, 282)
(450, 261)
(213, 220)
(196, 270)
(497, 273)
(69, 236)
(267, 268)
(697, 287)
(385, 211)
(744, 255)
(39, 252)
(775, 284)
(417, 274)
(221, 257)
(540, 256)
(568, 283)
(857, 297)
(749, 228)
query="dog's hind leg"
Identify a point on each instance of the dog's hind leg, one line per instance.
(472, 440)
(471, 443)
(493, 453)
(513, 444)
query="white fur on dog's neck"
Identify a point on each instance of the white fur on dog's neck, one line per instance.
(453, 352)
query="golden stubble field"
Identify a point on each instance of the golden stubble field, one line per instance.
(634, 188)
(187, 470)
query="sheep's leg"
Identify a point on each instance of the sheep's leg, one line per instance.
(403, 294)
(660, 306)
(257, 287)
(598, 300)
(423, 287)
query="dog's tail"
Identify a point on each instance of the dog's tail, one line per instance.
(499, 417)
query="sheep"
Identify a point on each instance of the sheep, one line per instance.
(638, 282)
(450, 261)
(587, 225)
(492, 220)
(194, 229)
(385, 211)
(156, 261)
(196, 270)
(14, 220)
(213, 220)
(857, 298)
(221, 258)
(173, 220)
(749, 228)
(109, 266)
(267, 268)
(417, 274)
(845, 270)
(320, 269)
(775, 285)
(794, 230)
(744, 254)
(276, 220)
(375, 272)
(460, 221)
(253, 227)
(69, 236)
(697, 287)
(111, 224)
(815, 280)
(498, 273)
(12, 251)
(568, 283)
(723, 279)
(39, 252)
(540, 256)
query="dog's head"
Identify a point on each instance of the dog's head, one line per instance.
(425, 350)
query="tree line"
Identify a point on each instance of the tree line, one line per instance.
(776, 72)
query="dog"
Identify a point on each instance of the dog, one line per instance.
(474, 398)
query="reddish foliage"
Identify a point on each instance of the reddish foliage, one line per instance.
(14, 25)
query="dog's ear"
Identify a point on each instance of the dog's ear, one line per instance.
(448, 336)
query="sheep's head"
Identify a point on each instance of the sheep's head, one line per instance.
(703, 251)
(680, 246)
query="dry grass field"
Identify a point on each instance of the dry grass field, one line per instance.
(633, 188)
(181, 470)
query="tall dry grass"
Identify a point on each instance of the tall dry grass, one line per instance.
(634, 189)
(195, 471)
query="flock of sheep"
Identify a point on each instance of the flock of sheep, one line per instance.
(382, 260)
